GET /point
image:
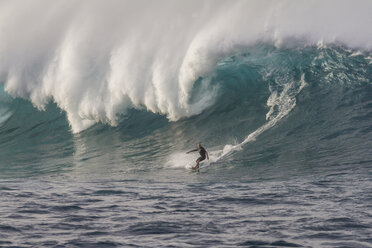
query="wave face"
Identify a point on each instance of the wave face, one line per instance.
(274, 82)
(305, 106)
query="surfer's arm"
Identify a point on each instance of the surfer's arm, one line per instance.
(195, 150)
(207, 155)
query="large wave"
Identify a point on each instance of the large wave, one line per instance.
(98, 59)
(308, 106)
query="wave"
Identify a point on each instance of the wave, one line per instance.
(271, 105)
(96, 60)
(251, 81)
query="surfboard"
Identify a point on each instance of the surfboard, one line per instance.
(201, 165)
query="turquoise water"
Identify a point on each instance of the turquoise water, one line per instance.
(99, 108)
(326, 121)
(304, 181)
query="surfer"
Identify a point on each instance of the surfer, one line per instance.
(202, 153)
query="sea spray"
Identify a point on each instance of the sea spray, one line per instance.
(97, 59)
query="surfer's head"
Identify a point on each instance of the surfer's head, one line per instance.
(199, 145)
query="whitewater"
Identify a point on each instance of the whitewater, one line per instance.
(101, 100)
(97, 59)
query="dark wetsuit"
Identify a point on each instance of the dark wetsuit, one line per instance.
(202, 152)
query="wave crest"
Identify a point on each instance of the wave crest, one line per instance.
(96, 60)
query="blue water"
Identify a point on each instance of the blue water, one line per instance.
(206, 209)
(303, 182)
(98, 110)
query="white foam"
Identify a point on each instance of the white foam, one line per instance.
(97, 58)
(285, 102)
(187, 161)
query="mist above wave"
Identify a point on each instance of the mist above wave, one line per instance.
(96, 59)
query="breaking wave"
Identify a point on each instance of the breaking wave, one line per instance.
(97, 59)
(283, 81)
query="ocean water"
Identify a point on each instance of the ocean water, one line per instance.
(100, 101)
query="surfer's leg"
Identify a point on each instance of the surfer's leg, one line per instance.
(198, 161)
(197, 164)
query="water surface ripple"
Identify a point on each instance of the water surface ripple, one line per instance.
(327, 211)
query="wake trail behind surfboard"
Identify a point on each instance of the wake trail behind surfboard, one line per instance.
(284, 103)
